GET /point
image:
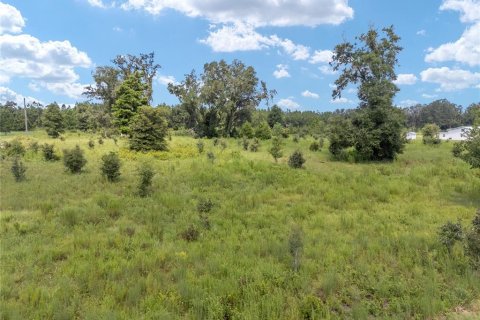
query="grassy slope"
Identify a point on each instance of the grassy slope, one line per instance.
(78, 246)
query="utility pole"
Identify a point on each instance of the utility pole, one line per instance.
(25, 112)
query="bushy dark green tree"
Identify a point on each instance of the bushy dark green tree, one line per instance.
(49, 154)
(130, 96)
(111, 166)
(377, 125)
(18, 170)
(263, 131)
(275, 116)
(296, 160)
(148, 130)
(146, 175)
(53, 120)
(276, 148)
(450, 233)
(74, 159)
(469, 149)
(246, 131)
(472, 238)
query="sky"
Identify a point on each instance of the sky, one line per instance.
(49, 48)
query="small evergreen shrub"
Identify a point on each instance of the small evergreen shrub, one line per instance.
(34, 146)
(211, 156)
(321, 142)
(91, 144)
(296, 160)
(190, 234)
(314, 146)
(49, 154)
(263, 131)
(255, 145)
(100, 141)
(223, 144)
(457, 149)
(111, 166)
(295, 138)
(245, 144)
(18, 170)
(205, 206)
(74, 159)
(216, 141)
(146, 175)
(472, 245)
(15, 148)
(276, 149)
(450, 233)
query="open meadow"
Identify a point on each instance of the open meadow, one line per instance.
(212, 240)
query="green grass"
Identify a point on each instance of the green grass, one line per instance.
(77, 246)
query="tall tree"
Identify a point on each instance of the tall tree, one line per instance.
(377, 125)
(188, 93)
(53, 120)
(148, 130)
(234, 90)
(275, 116)
(107, 80)
(144, 64)
(130, 96)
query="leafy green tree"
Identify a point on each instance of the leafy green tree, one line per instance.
(188, 92)
(296, 160)
(107, 80)
(276, 148)
(275, 116)
(146, 175)
(18, 170)
(377, 124)
(130, 97)
(74, 159)
(53, 120)
(7, 115)
(472, 114)
(148, 130)
(247, 131)
(263, 131)
(430, 134)
(469, 150)
(48, 151)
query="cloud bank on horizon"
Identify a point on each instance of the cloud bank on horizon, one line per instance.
(270, 32)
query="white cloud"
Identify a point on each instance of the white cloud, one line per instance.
(117, 29)
(467, 48)
(341, 100)
(470, 9)
(281, 71)
(96, 3)
(451, 79)
(11, 19)
(288, 103)
(407, 103)
(422, 32)
(429, 96)
(296, 51)
(309, 94)
(49, 64)
(321, 56)
(255, 12)
(326, 70)
(165, 80)
(7, 94)
(406, 79)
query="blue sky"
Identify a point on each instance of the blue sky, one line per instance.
(49, 48)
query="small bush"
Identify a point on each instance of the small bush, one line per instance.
(245, 144)
(276, 149)
(49, 154)
(18, 170)
(457, 149)
(34, 146)
(255, 145)
(91, 144)
(246, 131)
(472, 245)
(216, 141)
(200, 146)
(295, 138)
(314, 146)
(211, 156)
(146, 175)
(205, 206)
(100, 141)
(111, 166)
(449, 233)
(15, 149)
(190, 234)
(296, 160)
(430, 134)
(263, 131)
(321, 142)
(223, 144)
(295, 244)
(74, 160)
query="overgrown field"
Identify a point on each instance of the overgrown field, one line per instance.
(77, 246)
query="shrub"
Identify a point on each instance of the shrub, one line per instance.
(111, 166)
(34, 146)
(205, 206)
(200, 146)
(245, 144)
(223, 144)
(278, 130)
(49, 154)
(430, 134)
(146, 175)
(314, 146)
(74, 159)
(216, 141)
(246, 131)
(148, 130)
(91, 144)
(263, 131)
(457, 149)
(190, 234)
(449, 233)
(18, 170)
(321, 142)
(15, 149)
(472, 245)
(100, 140)
(211, 156)
(296, 160)
(254, 145)
(471, 148)
(276, 149)
(295, 138)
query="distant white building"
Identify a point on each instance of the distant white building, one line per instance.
(411, 135)
(455, 133)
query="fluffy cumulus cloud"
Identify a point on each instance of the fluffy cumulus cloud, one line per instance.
(50, 64)
(11, 19)
(407, 103)
(281, 72)
(341, 100)
(256, 12)
(309, 94)
(467, 48)
(288, 103)
(321, 56)
(165, 80)
(451, 79)
(7, 94)
(406, 79)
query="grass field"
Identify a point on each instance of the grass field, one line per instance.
(79, 247)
